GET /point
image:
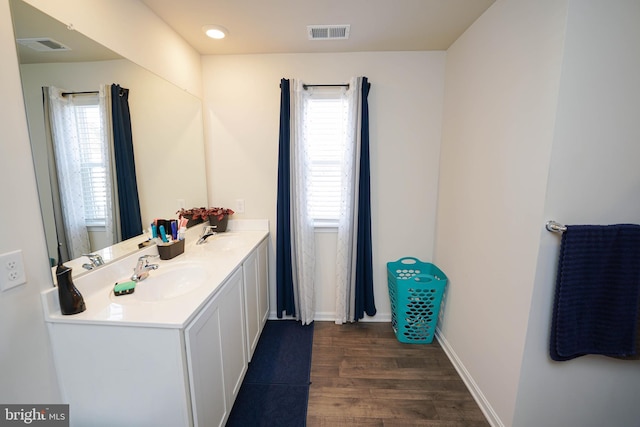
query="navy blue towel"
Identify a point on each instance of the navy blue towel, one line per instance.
(597, 292)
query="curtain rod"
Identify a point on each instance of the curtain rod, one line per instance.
(337, 85)
(93, 92)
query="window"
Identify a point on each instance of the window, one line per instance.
(325, 129)
(93, 159)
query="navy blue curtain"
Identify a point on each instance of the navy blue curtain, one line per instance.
(284, 271)
(364, 300)
(130, 220)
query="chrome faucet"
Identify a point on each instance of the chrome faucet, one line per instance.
(95, 261)
(207, 231)
(143, 268)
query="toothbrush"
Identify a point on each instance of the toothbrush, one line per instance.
(174, 230)
(163, 234)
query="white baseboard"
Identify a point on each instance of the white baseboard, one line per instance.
(475, 391)
(331, 317)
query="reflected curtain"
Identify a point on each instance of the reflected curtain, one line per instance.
(128, 200)
(66, 147)
(111, 221)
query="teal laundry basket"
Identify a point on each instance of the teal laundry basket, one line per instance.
(415, 290)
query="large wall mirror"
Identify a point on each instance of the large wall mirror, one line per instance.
(166, 123)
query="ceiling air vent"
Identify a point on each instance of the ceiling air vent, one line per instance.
(328, 32)
(43, 44)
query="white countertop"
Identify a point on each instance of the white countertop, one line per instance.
(217, 259)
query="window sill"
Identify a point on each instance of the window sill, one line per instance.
(325, 227)
(96, 227)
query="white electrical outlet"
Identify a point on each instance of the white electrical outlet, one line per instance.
(12, 270)
(240, 205)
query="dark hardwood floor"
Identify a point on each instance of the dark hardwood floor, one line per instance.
(362, 376)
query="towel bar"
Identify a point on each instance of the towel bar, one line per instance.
(555, 227)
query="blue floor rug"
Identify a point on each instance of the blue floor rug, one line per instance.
(275, 390)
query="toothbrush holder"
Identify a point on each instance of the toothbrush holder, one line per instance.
(170, 250)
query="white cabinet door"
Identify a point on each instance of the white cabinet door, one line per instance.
(232, 322)
(256, 288)
(204, 351)
(216, 350)
(263, 283)
(250, 269)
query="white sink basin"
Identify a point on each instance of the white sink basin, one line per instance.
(165, 283)
(224, 242)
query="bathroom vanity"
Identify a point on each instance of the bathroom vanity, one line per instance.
(174, 352)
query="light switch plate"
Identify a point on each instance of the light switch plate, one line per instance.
(12, 270)
(240, 205)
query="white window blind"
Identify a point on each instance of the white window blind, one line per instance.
(325, 128)
(93, 159)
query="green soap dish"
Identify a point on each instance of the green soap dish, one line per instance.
(124, 288)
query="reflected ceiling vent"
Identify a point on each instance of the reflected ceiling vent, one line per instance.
(328, 32)
(43, 44)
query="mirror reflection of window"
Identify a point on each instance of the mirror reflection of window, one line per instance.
(94, 159)
(83, 169)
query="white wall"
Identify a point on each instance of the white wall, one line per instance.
(594, 179)
(242, 99)
(26, 370)
(501, 88)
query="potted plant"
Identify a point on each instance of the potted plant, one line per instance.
(216, 216)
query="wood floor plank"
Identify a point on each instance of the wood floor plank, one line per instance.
(373, 408)
(338, 421)
(389, 384)
(432, 423)
(361, 375)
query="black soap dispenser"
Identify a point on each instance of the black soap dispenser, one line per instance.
(71, 301)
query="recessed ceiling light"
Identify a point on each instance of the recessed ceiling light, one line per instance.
(215, 31)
